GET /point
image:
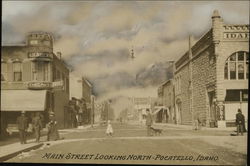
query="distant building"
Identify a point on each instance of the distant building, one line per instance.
(211, 78)
(33, 79)
(166, 113)
(140, 104)
(82, 90)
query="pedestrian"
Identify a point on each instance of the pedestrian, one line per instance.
(149, 122)
(22, 123)
(109, 130)
(121, 120)
(240, 121)
(53, 133)
(37, 125)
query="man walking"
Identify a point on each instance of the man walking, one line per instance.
(240, 120)
(22, 123)
(37, 124)
(149, 121)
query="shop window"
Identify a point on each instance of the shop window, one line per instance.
(17, 70)
(236, 66)
(3, 71)
(236, 95)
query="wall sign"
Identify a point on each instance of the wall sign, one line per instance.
(236, 35)
(39, 55)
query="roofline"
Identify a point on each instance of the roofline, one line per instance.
(87, 81)
(166, 82)
(187, 52)
(13, 45)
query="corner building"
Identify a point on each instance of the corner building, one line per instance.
(33, 79)
(211, 78)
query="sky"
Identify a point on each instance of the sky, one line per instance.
(96, 37)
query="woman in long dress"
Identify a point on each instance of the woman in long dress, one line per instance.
(109, 130)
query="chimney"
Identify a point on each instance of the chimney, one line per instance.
(217, 23)
(59, 55)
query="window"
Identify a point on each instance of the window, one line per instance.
(17, 69)
(40, 71)
(33, 42)
(236, 66)
(3, 71)
(46, 42)
(236, 95)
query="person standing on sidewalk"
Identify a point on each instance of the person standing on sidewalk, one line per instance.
(37, 124)
(240, 120)
(53, 133)
(22, 123)
(149, 122)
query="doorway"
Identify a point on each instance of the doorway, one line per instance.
(212, 110)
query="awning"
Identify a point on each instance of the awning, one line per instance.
(23, 100)
(158, 109)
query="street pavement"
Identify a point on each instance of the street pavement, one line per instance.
(130, 145)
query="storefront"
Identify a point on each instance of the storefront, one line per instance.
(15, 101)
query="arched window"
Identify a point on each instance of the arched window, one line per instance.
(236, 66)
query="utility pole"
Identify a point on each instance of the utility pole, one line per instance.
(191, 77)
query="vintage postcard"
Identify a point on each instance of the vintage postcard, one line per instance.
(124, 82)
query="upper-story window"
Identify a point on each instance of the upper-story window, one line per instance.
(46, 42)
(3, 71)
(17, 71)
(236, 66)
(40, 71)
(33, 42)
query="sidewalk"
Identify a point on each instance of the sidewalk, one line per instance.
(13, 149)
(190, 127)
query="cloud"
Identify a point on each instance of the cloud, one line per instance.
(96, 38)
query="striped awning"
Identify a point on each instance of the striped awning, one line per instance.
(23, 100)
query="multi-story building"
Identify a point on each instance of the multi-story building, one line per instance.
(211, 78)
(82, 90)
(166, 98)
(140, 104)
(33, 79)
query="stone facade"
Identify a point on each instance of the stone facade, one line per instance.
(202, 83)
(166, 97)
(34, 67)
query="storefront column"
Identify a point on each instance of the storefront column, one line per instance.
(221, 115)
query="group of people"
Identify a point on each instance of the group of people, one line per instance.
(53, 134)
(36, 123)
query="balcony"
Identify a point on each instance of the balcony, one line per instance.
(39, 85)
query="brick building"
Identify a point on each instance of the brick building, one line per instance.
(211, 78)
(33, 79)
(166, 99)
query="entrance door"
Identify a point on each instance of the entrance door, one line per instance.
(212, 110)
(179, 117)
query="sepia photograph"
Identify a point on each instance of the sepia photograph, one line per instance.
(124, 82)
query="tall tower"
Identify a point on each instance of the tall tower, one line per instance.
(40, 40)
(217, 24)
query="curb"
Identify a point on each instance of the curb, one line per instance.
(13, 154)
